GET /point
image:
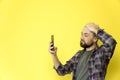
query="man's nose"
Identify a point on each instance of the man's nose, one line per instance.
(82, 38)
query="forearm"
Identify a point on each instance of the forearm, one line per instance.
(106, 38)
(55, 61)
(62, 69)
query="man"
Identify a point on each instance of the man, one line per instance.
(91, 62)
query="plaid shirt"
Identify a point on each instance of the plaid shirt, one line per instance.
(98, 61)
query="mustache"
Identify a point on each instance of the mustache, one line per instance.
(82, 40)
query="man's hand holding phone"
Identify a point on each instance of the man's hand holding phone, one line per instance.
(52, 48)
(53, 52)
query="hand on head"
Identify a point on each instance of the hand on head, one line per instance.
(92, 27)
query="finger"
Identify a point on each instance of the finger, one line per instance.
(92, 29)
(55, 48)
(51, 48)
(51, 51)
(51, 44)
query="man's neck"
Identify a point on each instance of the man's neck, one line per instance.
(91, 48)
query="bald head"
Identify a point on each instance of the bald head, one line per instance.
(92, 27)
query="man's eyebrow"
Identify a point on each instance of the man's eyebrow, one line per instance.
(93, 33)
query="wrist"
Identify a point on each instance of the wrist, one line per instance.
(54, 55)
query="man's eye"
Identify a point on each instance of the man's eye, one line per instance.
(86, 35)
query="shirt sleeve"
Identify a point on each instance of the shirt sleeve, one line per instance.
(64, 69)
(109, 43)
(68, 67)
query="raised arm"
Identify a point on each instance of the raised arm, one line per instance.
(109, 42)
(61, 69)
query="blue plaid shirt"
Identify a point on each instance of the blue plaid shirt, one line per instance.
(97, 62)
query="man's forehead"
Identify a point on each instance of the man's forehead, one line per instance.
(85, 30)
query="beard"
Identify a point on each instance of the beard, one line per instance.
(83, 44)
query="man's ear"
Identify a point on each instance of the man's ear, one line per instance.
(95, 39)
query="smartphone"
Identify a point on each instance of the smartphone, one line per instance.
(52, 39)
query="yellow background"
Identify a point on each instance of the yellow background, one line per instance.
(26, 27)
